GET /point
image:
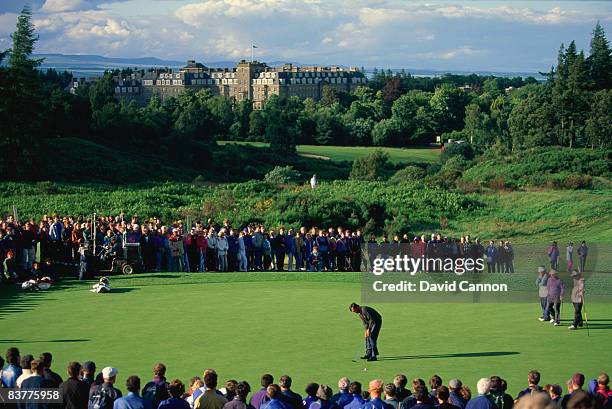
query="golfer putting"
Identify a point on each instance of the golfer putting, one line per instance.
(372, 321)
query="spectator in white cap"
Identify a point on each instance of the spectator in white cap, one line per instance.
(104, 395)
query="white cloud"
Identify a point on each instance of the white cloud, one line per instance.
(185, 36)
(379, 33)
(56, 6)
(197, 14)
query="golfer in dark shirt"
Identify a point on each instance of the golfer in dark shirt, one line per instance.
(372, 321)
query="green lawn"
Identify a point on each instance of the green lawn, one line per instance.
(246, 324)
(350, 153)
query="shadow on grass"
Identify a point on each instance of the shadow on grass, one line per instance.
(457, 355)
(25, 341)
(122, 290)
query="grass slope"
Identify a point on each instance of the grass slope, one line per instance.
(246, 324)
(561, 215)
(350, 153)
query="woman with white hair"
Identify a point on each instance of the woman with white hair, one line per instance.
(343, 397)
(481, 401)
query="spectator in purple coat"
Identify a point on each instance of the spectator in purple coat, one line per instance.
(260, 397)
(311, 395)
(556, 290)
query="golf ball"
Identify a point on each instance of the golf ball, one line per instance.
(365, 369)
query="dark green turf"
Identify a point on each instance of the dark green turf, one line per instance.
(246, 324)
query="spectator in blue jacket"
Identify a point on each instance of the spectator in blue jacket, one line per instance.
(36, 381)
(132, 400)
(376, 389)
(343, 397)
(290, 398)
(491, 253)
(242, 251)
(481, 401)
(356, 400)
(290, 248)
(273, 393)
(176, 390)
(12, 370)
(455, 397)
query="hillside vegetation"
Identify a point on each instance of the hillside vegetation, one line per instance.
(375, 206)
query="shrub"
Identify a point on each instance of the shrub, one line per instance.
(558, 168)
(282, 175)
(409, 174)
(464, 150)
(371, 167)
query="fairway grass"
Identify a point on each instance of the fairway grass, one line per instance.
(246, 324)
(350, 153)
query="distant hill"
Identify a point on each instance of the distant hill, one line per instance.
(88, 65)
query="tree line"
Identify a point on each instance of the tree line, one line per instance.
(572, 108)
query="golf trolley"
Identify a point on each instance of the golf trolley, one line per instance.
(127, 260)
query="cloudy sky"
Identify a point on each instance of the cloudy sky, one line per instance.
(466, 35)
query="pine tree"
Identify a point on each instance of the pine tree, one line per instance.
(22, 107)
(600, 59)
(23, 44)
(599, 124)
(577, 99)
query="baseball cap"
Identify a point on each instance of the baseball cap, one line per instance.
(455, 383)
(541, 269)
(575, 273)
(109, 372)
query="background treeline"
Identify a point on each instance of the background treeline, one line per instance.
(573, 108)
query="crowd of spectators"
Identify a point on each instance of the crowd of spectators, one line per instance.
(85, 388)
(210, 246)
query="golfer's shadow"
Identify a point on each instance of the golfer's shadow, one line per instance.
(457, 355)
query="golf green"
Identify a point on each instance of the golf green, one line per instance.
(244, 325)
